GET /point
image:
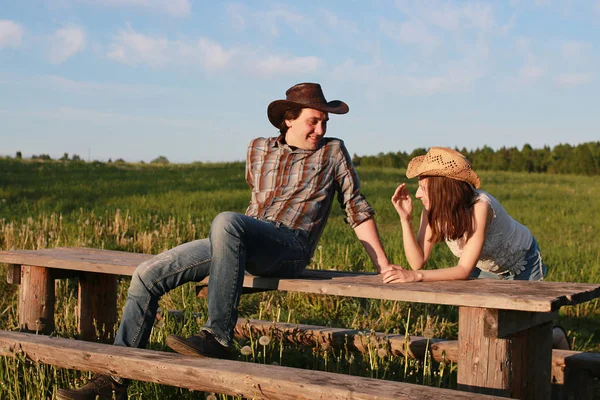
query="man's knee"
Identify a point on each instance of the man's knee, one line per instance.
(144, 275)
(227, 223)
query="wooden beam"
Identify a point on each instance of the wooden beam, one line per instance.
(504, 323)
(235, 378)
(483, 293)
(13, 274)
(519, 366)
(202, 291)
(97, 307)
(442, 350)
(36, 299)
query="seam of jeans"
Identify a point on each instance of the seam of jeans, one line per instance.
(155, 281)
(136, 336)
(234, 288)
(147, 304)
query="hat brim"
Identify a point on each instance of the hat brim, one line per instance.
(278, 108)
(416, 168)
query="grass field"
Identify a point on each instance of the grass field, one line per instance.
(148, 208)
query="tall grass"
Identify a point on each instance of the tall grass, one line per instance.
(147, 208)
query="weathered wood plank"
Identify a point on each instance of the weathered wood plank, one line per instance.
(484, 362)
(519, 366)
(97, 308)
(36, 299)
(79, 259)
(13, 274)
(577, 360)
(202, 291)
(531, 361)
(508, 295)
(354, 340)
(503, 323)
(484, 293)
(441, 350)
(234, 378)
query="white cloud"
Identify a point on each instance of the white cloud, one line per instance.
(575, 50)
(567, 80)
(213, 55)
(237, 17)
(276, 65)
(270, 21)
(378, 79)
(65, 43)
(530, 73)
(447, 15)
(410, 32)
(133, 48)
(11, 33)
(174, 8)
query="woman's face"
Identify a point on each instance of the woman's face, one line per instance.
(422, 193)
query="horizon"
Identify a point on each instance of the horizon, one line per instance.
(110, 79)
(111, 160)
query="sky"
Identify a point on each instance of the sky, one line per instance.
(191, 80)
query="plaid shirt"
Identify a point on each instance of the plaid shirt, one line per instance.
(296, 187)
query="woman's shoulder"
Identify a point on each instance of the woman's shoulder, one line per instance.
(482, 195)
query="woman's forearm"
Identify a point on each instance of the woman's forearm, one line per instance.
(412, 250)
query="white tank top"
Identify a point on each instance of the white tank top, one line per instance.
(506, 240)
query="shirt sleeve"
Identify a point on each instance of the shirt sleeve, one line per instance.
(352, 201)
(249, 174)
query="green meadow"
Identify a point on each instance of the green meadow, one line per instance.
(151, 208)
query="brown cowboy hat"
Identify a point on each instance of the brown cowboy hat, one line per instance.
(442, 161)
(303, 95)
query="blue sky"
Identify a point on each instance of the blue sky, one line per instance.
(191, 80)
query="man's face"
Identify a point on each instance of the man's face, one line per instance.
(306, 131)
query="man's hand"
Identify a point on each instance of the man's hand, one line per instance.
(387, 267)
(398, 274)
(402, 202)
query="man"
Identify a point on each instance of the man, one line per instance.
(294, 179)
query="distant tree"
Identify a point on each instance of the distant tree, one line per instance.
(421, 151)
(563, 158)
(65, 157)
(160, 160)
(583, 161)
(41, 157)
(19, 155)
(109, 160)
(75, 157)
(528, 157)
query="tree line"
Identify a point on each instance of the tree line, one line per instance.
(583, 159)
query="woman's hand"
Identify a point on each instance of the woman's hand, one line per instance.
(402, 202)
(400, 275)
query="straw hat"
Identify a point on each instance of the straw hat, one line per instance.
(303, 95)
(442, 161)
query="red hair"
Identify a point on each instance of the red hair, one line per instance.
(450, 208)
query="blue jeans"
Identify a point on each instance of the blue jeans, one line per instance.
(236, 244)
(535, 269)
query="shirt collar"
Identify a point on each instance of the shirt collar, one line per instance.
(280, 142)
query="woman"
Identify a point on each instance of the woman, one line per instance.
(488, 241)
(474, 225)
